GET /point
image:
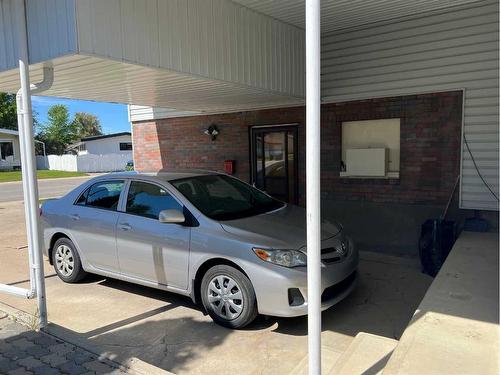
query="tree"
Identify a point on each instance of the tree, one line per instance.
(86, 125)
(58, 132)
(8, 112)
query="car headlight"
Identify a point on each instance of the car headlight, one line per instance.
(285, 258)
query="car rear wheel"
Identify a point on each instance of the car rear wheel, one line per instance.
(66, 261)
(228, 296)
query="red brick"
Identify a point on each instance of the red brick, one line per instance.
(430, 145)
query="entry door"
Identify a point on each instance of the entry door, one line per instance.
(274, 161)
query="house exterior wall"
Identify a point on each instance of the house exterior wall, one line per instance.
(430, 159)
(107, 145)
(451, 49)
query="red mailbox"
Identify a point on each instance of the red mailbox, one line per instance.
(229, 166)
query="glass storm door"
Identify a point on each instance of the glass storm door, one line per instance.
(274, 161)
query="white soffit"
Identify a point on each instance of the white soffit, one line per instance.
(341, 14)
(104, 80)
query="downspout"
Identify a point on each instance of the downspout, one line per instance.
(28, 160)
(23, 122)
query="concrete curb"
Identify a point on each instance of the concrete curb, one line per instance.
(133, 365)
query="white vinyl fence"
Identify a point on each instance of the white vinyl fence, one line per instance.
(84, 163)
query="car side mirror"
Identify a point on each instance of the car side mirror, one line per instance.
(171, 216)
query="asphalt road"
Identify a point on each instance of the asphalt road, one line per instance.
(49, 188)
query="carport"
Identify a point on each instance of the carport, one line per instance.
(199, 57)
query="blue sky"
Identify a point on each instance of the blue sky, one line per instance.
(113, 117)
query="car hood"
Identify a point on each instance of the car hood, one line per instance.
(282, 228)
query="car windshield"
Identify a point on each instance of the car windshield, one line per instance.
(222, 197)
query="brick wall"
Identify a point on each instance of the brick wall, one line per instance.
(180, 143)
(430, 146)
(430, 149)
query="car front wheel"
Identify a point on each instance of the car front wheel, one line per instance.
(228, 296)
(66, 261)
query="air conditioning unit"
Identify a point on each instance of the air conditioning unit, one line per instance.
(370, 162)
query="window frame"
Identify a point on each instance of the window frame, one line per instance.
(123, 208)
(87, 189)
(390, 175)
(11, 141)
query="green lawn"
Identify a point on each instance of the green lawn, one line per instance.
(16, 175)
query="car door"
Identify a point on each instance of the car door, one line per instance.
(148, 249)
(92, 222)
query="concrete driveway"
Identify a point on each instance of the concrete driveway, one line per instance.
(168, 331)
(49, 188)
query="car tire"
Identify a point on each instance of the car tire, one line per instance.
(66, 261)
(228, 297)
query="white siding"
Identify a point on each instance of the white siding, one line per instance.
(107, 145)
(141, 113)
(443, 51)
(217, 39)
(8, 36)
(51, 29)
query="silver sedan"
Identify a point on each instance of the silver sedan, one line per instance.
(206, 235)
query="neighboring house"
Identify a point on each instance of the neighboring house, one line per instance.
(118, 143)
(10, 156)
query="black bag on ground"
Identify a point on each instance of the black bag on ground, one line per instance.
(436, 240)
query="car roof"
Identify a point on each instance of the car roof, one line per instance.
(161, 175)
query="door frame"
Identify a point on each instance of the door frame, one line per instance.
(294, 128)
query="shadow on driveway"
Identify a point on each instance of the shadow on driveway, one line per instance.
(125, 321)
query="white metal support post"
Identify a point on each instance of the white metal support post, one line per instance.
(30, 185)
(313, 179)
(48, 77)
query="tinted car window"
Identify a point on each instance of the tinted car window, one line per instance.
(104, 194)
(83, 198)
(148, 200)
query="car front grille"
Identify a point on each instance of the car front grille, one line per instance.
(337, 289)
(332, 254)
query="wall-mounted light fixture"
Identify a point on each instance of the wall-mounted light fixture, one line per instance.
(212, 131)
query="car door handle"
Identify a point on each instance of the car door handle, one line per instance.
(75, 217)
(124, 226)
